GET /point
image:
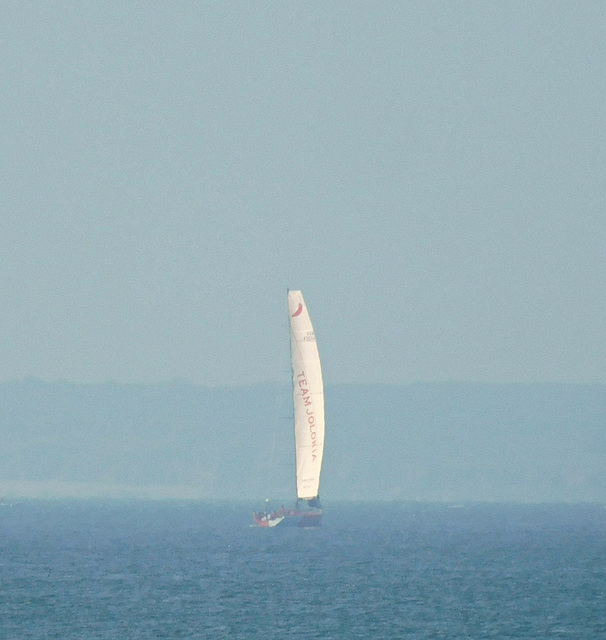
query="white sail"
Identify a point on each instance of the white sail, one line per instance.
(308, 396)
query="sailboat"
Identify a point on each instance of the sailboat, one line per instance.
(308, 401)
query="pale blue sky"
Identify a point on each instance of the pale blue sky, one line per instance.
(432, 175)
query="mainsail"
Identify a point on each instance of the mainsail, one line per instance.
(308, 396)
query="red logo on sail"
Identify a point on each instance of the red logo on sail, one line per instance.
(298, 311)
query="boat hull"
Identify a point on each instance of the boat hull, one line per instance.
(289, 518)
(304, 519)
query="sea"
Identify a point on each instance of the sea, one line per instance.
(150, 569)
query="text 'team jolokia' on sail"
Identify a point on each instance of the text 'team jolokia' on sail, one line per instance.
(308, 397)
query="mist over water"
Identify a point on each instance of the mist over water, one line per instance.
(433, 443)
(115, 569)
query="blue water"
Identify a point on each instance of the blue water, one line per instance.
(119, 570)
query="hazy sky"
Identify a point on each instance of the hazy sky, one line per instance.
(432, 175)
